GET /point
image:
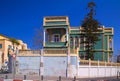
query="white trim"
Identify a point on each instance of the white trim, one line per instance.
(67, 34)
(73, 42)
(44, 36)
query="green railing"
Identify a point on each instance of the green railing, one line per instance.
(55, 44)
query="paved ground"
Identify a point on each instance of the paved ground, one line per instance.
(48, 78)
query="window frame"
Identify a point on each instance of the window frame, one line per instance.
(0, 46)
(71, 42)
(56, 39)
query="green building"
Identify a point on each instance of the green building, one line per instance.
(62, 39)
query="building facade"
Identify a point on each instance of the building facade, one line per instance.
(64, 55)
(60, 36)
(6, 48)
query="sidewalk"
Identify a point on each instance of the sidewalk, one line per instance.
(10, 77)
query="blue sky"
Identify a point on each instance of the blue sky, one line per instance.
(20, 18)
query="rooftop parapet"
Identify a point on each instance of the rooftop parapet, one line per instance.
(55, 20)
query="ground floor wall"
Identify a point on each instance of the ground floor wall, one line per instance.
(28, 65)
(50, 66)
(97, 71)
(55, 66)
(58, 66)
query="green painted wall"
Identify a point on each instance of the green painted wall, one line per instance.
(98, 56)
(101, 47)
(105, 42)
(55, 44)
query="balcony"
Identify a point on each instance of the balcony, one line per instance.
(55, 23)
(47, 52)
(29, 53)
(55, 44)
(57, 52)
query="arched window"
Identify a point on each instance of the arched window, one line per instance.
(71, 42)
(0, 46)
(76, 42)
(82, 42)
(56, 37)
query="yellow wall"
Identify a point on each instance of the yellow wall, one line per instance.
(5, 43)
(3, 37)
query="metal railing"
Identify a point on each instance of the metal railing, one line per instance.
(30, 51)
(46, 51)
(55, 52)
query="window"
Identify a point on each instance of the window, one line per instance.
(0, 45)
(71, 42)
(110, 43)
(83, 56)
(82, 42)
(76, 42)
(56, 37)
(48, 39)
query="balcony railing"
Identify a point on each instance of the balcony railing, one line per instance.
(55, 52)
(55, 23)
(46, 52)
(73, 51)
(55, 44)
(29, 53)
